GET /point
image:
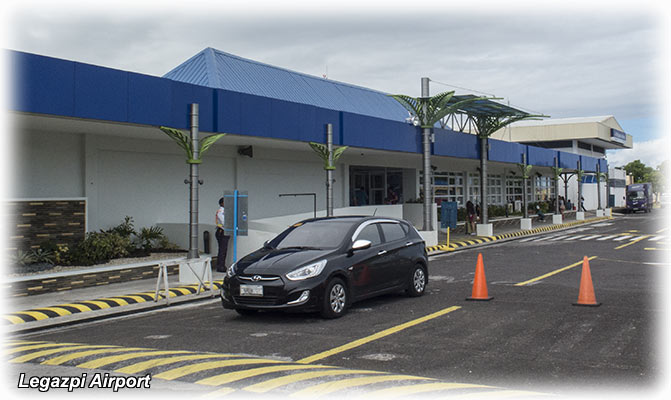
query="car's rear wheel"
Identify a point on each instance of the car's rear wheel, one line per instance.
(417, 284)
(335, 299)
(245, 311)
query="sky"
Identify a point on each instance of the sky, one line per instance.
(577, 58)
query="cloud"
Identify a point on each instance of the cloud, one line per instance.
(651, 153)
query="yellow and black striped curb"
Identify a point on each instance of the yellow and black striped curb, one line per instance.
(240, 375)
(485, 239)
(60, 310)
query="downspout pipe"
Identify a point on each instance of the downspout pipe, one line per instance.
(193, 194)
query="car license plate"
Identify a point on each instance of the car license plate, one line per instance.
(251, 290)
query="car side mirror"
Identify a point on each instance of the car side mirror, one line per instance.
(361, 244)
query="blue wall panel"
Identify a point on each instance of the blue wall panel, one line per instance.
(541, 157)
(182, 96)
(285, 119)
(323, 117)
(456, 144)
(42, 84)
(505, 151)
(603, 164)
(101, 93)
(568, 160)
(254, 115)
(588, 163)
(229, 108)
(149, 100)
(376, 133)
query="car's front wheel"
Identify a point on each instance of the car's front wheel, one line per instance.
(417, 284)
(335, 299)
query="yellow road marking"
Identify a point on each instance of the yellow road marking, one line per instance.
(662, 230)
(193, 368)
(632, 242)
(38, 354)
(654, 248)
(367, 339)
(60, 311)
(330, 387)
(100, 304)
(13, 319)
(553, 272)
(145, 365)
(136, 298)
(248, 373)
(398, 391)
(182, 290)
(37, 346)
(80, 307)
(15, 342)
(35, 314)
(120, 302)
(271, 384)
(68, 357)
(101, 362)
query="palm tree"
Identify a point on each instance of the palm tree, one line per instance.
(486, 124)
(427, 111)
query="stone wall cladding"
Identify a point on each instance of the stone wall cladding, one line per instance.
(38, 221)
(89, 279)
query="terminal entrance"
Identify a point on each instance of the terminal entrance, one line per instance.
(375, 185)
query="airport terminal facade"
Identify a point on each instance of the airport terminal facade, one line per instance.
(90, 133)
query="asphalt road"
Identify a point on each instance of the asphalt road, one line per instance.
(529, 337)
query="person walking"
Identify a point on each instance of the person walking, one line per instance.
(582, 204)
(470, 218)
(222, 239)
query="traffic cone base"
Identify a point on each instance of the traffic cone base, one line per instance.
(479, 283)
(586, 297)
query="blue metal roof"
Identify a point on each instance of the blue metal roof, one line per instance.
(217, 69)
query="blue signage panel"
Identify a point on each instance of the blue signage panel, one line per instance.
(618, 136)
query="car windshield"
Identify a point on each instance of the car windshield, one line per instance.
(326, 234)
(638, 194)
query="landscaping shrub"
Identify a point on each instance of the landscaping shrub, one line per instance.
(100, 247)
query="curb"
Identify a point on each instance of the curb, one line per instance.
(484, 240)
(63, 314)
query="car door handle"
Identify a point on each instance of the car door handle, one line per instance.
(409, 244)
(379, 253)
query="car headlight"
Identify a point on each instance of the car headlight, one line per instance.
(307, 271)
(231, 270)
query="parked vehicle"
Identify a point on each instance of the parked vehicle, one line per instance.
(326, 264)
(639, 197)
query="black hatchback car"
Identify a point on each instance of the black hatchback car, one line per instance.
(326, 264)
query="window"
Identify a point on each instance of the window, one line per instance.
(448, 186)
(544, 188)
(371, 233)
(392, 232)
(514, 189)
(494, 189)
(474, 187)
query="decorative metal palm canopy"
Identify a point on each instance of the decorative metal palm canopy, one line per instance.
(466, 118)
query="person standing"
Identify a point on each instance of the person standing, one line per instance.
(470, 222)
(222, 239)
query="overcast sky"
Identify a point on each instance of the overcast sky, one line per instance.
(585, 59)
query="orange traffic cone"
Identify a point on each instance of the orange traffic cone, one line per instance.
(480, 282)
(586, 296)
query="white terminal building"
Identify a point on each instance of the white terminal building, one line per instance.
(90, 135)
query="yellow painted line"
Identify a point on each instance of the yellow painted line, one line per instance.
(80, 307)
(14, 342)
(376, 336)
(632, 242)
(271, 384)
(60, 311)
(248, 373)
(38, 354)
(398, 391)
(136, 298)
(120, 302)
(103, 361)
(653, 248)
(220, 392)
(183, 291)
(13, 319)
(35, 314)
(37, 346)
(330, 387)
(179, 372)
(662, 230)
(157, 362)
(553, 272)
(100, 304)
(69, 357)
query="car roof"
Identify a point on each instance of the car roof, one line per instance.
(349, 218)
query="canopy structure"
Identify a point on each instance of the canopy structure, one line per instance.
(465, 119)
